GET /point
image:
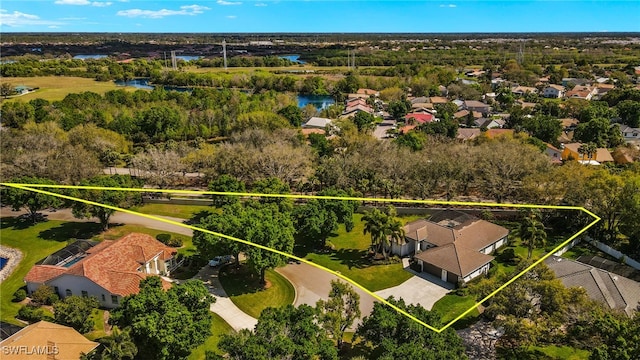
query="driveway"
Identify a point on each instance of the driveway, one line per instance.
(422, 289)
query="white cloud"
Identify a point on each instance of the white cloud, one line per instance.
(449, 6)
(224, 2)
(158, 14)
(231, 16)
(260, 4)
(54, 27)
(83, 2)
(17, 19)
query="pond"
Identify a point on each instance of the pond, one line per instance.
(91, 56)
(144, 83)
(294, 58)
(188, 57)
(319, 101)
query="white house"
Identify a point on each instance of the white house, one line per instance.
(553, 91)
(108, 271)
(629, 133)
(455, 248)
(316, 123)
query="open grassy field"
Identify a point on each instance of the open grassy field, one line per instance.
(349, 257)
(248, 295)
(57, 87)
(451, 306)
(561, 352)
(218, 328)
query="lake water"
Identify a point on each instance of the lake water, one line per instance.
(92, 56)
(319, 101)
(143, 83)
(294, 58)
(188, 57)
(3, 262)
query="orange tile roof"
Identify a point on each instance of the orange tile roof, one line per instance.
(113, 265)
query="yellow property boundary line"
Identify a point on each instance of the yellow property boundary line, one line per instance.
(33, 188)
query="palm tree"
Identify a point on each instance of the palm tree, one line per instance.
(531, 231)
(587, 149)
(384, 228)
(118, 346)
(374, 224)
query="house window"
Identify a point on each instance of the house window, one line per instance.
(68, 292)
(104, 298)
(114, 299)
(55, 288)
(85, 294)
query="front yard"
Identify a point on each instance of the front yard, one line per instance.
(349, 257)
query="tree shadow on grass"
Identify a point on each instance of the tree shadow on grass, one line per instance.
(352, 258)
(197, 217)
(19, 222)
(71, 230)
(239, 281)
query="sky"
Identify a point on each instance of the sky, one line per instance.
(270, 16)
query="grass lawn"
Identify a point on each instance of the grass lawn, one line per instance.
(35, 242)
(561, 352)
(57, 87)
(349, 258)
(248, 295)
(218, 327)
(178, 211)
(451, 306)
(98, 328)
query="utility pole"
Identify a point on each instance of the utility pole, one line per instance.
(224, 53)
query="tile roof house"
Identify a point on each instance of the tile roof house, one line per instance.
(521, 90)
(581, 92)
(420, 118)
(109, 271)
(615, 291)
(474, 105)
(553, 91)
(629, 133)
(467, 134)
(571, 151)
(453, 246)
(44, 341)
(316, 123)
(368, 92)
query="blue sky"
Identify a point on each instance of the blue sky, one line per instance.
(214, 16)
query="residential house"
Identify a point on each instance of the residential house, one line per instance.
(585, 92)
(316, 123)
(474, 73)
(614, 291)
(353, 110)
(464, 113)
(553, 91)
(358, 96)
(356, 101)
(525, 104)
(570, 152)
(554, 154)
(601, 90)
(623, 156)
(109, 271)
(438, 100)
(419, 99)
(422, 108)
(569, 124)
(46, 341)
(522, 90)
(630, 134)
(474, 105)
(419, 118)
(468, 134)
(489, 123)
(575, 81)
(451, 245)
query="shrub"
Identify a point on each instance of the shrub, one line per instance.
(508, 256)
(168, 240)
(44, 295)
(31, 313)
(19, 295)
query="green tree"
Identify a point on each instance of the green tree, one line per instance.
(628, 110)
(315, 222)
(31, 201)
(293, 114)
(280, 334)
(75, 311)
(117, 346)
(166, 324)
(122, 199)
(588, 149)
(225, 183)
(395, 336)
(17, 113)
(398, 109)
(531, 231)
(414, 140)
(364, 121)
(384, 229)
(6, 89)
(228, 222)
(340, 310)
(543, 127)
